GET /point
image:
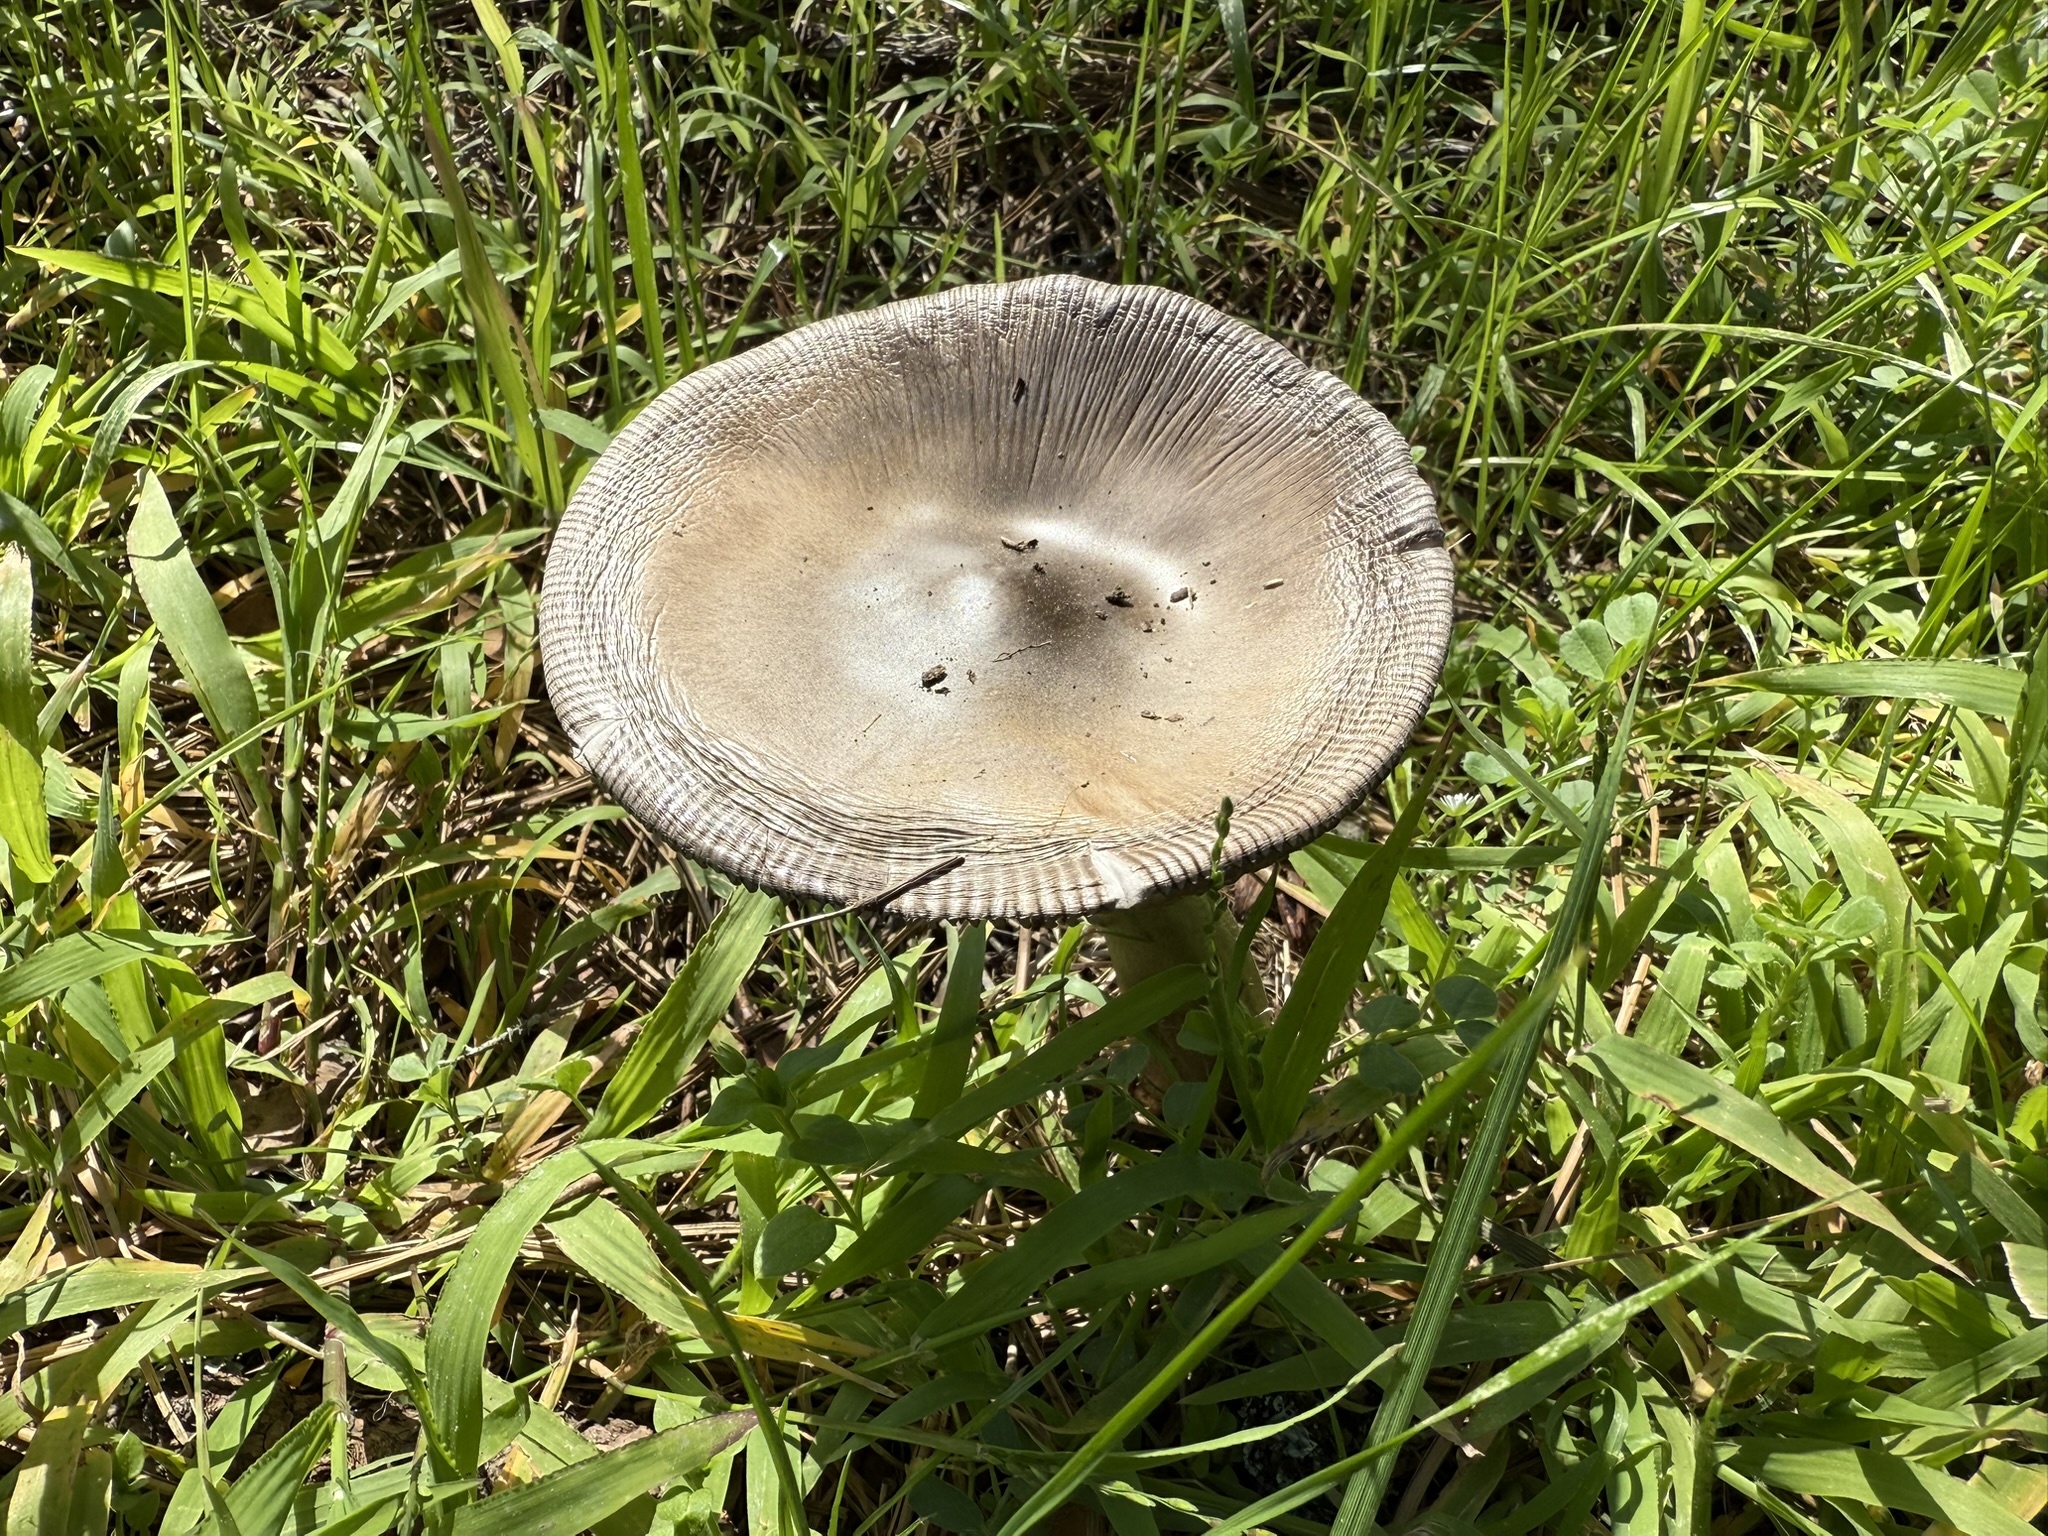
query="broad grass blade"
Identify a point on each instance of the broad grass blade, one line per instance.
(1299, 1042)
(1069, 1227)
(65, 962)
(498, 331)
(902, 1231)
(45, 1500)
(1707, 1101)
(19, 408)
(299, 332)
(952, 1045)
(1406, 1134)
(1978, 685)
(24, 821)
(681, 1023)
(1137, 1010)
(194, 632)
(1238, 35)
(579, 1497)
(1458, 1234)
(261, 1499)
(1863, 1479)
(462, 1322)
(633, 197)
(1499, 1398)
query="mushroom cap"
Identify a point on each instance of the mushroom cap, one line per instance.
(1031, 574)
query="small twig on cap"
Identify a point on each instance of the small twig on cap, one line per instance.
(926, 877)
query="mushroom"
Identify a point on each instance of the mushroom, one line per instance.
(752, 596)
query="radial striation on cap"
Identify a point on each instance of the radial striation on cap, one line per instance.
(1032, 575)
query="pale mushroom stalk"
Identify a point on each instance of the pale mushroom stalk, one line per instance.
(978, 604)
(1183, 930)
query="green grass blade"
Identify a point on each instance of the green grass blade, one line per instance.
(302, 334)
(24, 821)
(20, 407)
(952, 1045)
(579, 1497)
(461, 1326)
(498, 331)
(2026, 749)
(1704, 1099)
(1238, 36)
(1863, 1479)
(1495, 1401)
(262, 1498)
(912, 1221)
(1125, 1016)
(1978, 685)
(680, 1026)
(338, 1315)
(633, 197)
(1458, 1234)
(1406, 1134)
(678, 1254)
(1075, 1223)
(45, 1499)
(193, 632)
(114, 1094)
(1298, 1045)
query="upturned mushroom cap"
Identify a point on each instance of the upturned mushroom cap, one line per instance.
(1031, 574)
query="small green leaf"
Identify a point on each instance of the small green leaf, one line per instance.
(1586, 649)
(1630, 620)
(1466, 997)
(793, 1239)
(1388, 1011)
(1857, 918)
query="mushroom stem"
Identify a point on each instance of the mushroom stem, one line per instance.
(1143, 941)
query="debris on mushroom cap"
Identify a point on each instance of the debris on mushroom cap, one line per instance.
(736, 595)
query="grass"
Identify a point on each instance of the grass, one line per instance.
(1653, 1139)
